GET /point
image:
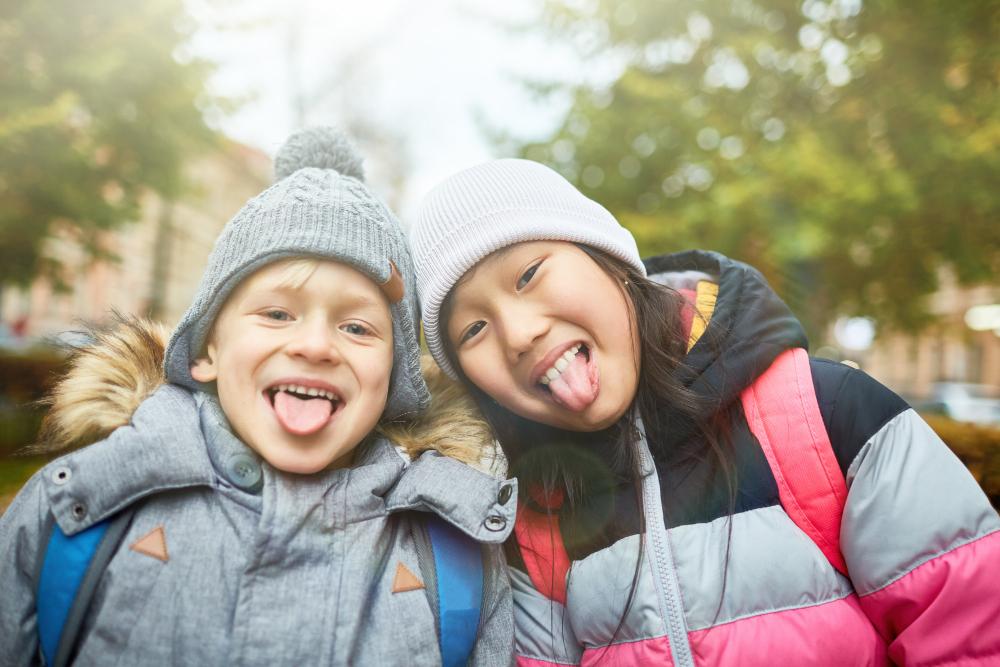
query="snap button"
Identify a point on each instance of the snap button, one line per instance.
(504, 494)
(243, 471)
(79, 511)
(61, 475)
(495, 523)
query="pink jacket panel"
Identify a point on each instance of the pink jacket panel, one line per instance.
(655, 651)
(953, 595)
(535, 662)
(790, 638)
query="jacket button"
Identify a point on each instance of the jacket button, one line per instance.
(495, 523)
(243, 471)
(79, 511)
(61, 475)
(504, 494)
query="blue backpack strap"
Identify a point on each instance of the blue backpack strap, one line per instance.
(68, 576)
(458, 561)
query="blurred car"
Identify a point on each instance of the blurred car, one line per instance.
(962, 401)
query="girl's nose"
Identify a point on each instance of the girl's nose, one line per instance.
(522, 330)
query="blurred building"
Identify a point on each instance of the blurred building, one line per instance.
(949, 353)
(160, 257)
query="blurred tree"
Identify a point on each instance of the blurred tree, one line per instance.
(345, 92)
(100, 105)
(847, 148)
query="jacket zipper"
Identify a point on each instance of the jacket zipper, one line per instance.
(664, 571)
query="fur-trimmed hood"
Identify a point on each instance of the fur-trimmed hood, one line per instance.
(107, 380)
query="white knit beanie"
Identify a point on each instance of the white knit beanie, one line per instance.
(489, 207)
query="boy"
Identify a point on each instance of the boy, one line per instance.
(257, 519)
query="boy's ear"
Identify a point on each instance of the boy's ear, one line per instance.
(204, 369)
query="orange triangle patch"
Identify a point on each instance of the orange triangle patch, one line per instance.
(405, 580)
(153, 544)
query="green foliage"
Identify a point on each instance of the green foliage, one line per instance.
(18, 429)
(14, 472)
(99, 106)
(25, 378)
(848, 149)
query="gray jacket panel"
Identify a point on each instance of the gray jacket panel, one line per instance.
(260, 567)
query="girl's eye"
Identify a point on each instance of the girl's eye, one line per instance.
(472, 331)
(277, 315)
(356, 329)
(527, 276)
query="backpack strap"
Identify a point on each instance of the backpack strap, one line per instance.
(68, 576)
(783, 413)
(540, 542)
(458, 562)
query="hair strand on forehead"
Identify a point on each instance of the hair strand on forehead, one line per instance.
(297, 271)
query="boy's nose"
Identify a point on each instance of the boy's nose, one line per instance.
(315, 342)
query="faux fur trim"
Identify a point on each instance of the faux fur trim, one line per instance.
(452, 425)
(105, 383)
(107, 380)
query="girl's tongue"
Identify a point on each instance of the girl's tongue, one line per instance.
(301, 416)
(577, 386)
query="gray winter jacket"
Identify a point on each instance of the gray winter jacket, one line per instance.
(228, 561)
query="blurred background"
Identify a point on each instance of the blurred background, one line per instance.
(850, 149)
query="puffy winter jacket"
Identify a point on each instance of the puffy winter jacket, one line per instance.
(920, 540)
(229, 561)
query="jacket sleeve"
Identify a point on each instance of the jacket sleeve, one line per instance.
(22, 527)
(919, 536)
(495, 642)
(542, 633)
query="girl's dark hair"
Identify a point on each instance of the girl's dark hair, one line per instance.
(591, 469)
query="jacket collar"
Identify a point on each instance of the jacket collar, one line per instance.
(178, 440)
(750, 327)
(233, 460)
(478, 504)
(161, 448)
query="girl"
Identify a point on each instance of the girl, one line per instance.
(695, 489)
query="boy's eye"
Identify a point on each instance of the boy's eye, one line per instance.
(277, 315)
(472, 331)
(356, 329)
(527, 276)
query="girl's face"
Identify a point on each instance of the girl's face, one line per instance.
(545, 332)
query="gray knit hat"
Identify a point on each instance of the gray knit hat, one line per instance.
(494, 205)
(318, 207)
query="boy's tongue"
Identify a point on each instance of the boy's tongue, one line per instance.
(576, 387)
(301, 416)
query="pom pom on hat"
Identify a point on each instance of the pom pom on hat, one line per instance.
(319, 147)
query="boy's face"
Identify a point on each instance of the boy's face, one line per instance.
(301, 354)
